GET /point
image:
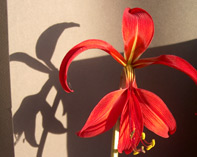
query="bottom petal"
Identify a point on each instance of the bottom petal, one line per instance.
(157, 116)
(105, 114)
(131, 125)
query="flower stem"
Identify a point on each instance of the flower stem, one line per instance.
(115, 136)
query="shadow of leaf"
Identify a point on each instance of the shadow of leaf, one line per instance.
(48, 39)
(50, 123)
(24, 119)
(29, 61)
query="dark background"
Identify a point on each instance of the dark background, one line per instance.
(91, 79)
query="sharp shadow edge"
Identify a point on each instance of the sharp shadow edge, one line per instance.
(25, 116)
(91, 80)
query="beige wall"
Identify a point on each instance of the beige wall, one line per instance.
(40, 34)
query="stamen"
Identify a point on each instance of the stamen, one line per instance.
(147, 145)
(151, 145)
(142, 149)
(136, 152)
(143, 136)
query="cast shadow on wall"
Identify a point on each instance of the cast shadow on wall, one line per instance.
(25, 117)
(91, 79)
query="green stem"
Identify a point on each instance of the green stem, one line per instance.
(115, 137)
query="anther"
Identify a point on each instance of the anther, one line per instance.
(151, 145)
(143, 136)
(142, 149)
(136, 152)
(147, 145)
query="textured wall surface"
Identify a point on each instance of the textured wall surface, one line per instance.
(45, 118)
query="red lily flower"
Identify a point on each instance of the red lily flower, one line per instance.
(135, 107)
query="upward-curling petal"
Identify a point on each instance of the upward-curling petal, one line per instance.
(85, 45)
(138, 30)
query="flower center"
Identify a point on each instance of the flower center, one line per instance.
(147, 145)
(127, 77)
(129, 73)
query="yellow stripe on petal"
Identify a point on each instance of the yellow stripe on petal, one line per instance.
(134, 46)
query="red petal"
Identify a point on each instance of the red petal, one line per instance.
(131, 125)
(85, 45)
(157, 116)
(172, 61)
(105, 114)
(138, 30)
